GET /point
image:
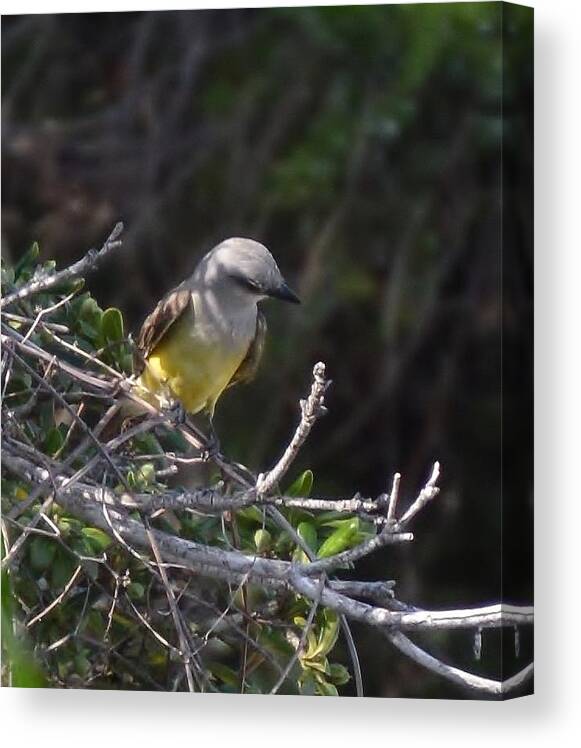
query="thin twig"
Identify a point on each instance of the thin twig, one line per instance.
(79, 269)
(428, 492)
(302, 641)
(311, 409)
(393, 497)
(58, 600)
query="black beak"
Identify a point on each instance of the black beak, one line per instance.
(284, 293)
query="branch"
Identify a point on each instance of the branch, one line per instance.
(492, 616)
(215, 500)
(85, 501)
(79, 269)
(455, 675)
(428, 492)
(311, 409)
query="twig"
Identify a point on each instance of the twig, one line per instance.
(379, 592)
(79, 269)
(393, 497)
(46, 311)
(58, 599)
(74, 455)
(311, 409)
(359, 551)
(19, 542)
(178, 623)
(28, 322)
(428, 492)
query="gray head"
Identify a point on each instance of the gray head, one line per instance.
(246, 268)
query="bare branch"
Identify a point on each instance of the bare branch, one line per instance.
(393, 497)
(311, 409)
(455, 675)
(428, 492)
(79, 269)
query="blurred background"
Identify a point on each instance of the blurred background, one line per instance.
(362, 145)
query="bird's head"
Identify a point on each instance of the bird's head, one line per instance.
(245, 267)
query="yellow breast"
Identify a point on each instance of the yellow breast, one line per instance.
(193, 369)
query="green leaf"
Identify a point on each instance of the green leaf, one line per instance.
(6, 598)
(276, 642)
(327, 689)
(61, 570)
(147, 444)
(82, 664)
(125, 361)
(284, 543)
(112, 325)
(136, 590)
(318, 664)
(25, 671)
(94, 623)
(16, 656)
(252, 514)
(7, 274)
(98, 540)
(54, 439)
(90, 310)
(339, 674)
(68, 525)
(84, 548)
(308, 533)
(28, 259)
(308, 685)
(262, 540)
(344, 537)
(317, 651)
(41, 553)
(88, 330)
(88, 318)
(145, 474)
(330, 632)
(224, 673)
(302, 485)
(174, 441)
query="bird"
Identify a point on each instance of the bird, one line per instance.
(208, 333)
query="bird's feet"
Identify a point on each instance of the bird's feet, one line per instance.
(212, 446)
(177, 414)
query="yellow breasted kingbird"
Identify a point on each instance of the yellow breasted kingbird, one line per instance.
(208, 333)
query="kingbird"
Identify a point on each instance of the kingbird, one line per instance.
(208, 333)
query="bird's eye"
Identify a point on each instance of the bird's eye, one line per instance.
(246, 283)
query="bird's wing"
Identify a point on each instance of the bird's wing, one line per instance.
(249, 366)
(156, 325)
